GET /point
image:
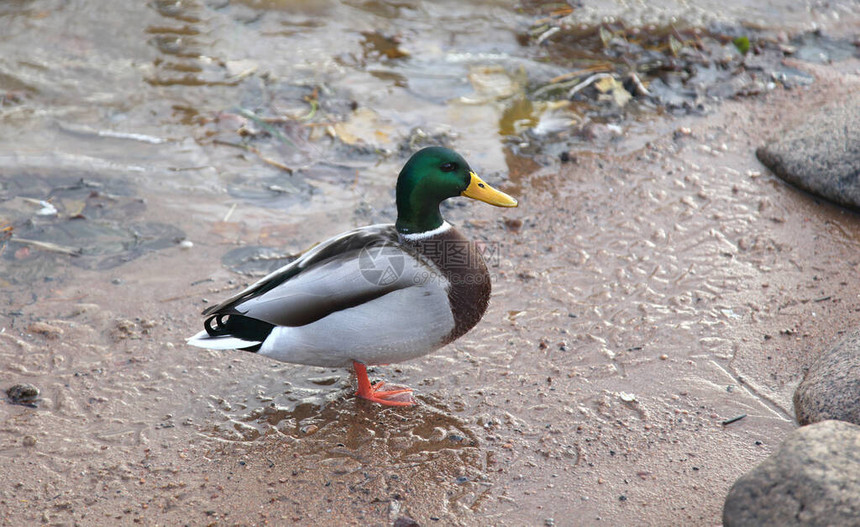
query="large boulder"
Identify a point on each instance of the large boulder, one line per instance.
(812, 479)
(831, 388)
(821, 156)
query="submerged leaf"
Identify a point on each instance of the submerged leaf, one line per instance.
(376, 44)
(675, 45)
(605, 36)
(364, 127)
(742, 43)
(615, 89)
(491, 83)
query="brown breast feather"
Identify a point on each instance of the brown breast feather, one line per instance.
(462, 264)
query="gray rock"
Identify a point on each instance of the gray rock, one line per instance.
(813, 479)
(822, 156)
(25, 394)
(831, 388)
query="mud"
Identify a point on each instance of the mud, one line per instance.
(650, 289)
(618, 341)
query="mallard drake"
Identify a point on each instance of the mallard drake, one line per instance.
(374, 295)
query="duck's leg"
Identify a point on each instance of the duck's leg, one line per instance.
(375, 393)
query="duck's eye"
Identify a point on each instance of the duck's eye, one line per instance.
(449, 167)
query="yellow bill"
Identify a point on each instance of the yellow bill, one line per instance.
(481, 191)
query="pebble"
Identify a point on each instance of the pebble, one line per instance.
(45, 329)
(29, 440)
(23, 394)
(405, 521)
(309, 429)
(513, 224)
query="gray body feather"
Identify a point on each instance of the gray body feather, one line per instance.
(366, 295)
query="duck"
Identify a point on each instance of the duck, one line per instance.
(374, 295)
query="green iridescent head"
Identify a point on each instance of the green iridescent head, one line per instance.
(431, 176)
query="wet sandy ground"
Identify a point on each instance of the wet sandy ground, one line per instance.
(645, 292)
(641, 298)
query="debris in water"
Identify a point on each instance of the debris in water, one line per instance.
(267, 160)
(47, 209)
(51, 247)
(379, 46)
(110, 134)
(675, 67)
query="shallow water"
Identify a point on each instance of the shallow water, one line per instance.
(255, 129)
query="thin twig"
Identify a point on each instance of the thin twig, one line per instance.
(259, 154)
(734, 419)
(48, 246)
(264, 125)
(546, 34)
(597, 68)
(229, 213)
(587, 82)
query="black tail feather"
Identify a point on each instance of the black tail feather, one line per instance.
(239, 326)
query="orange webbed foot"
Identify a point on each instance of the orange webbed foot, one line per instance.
(375, 392)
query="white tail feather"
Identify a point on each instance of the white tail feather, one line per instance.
(204, 340)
